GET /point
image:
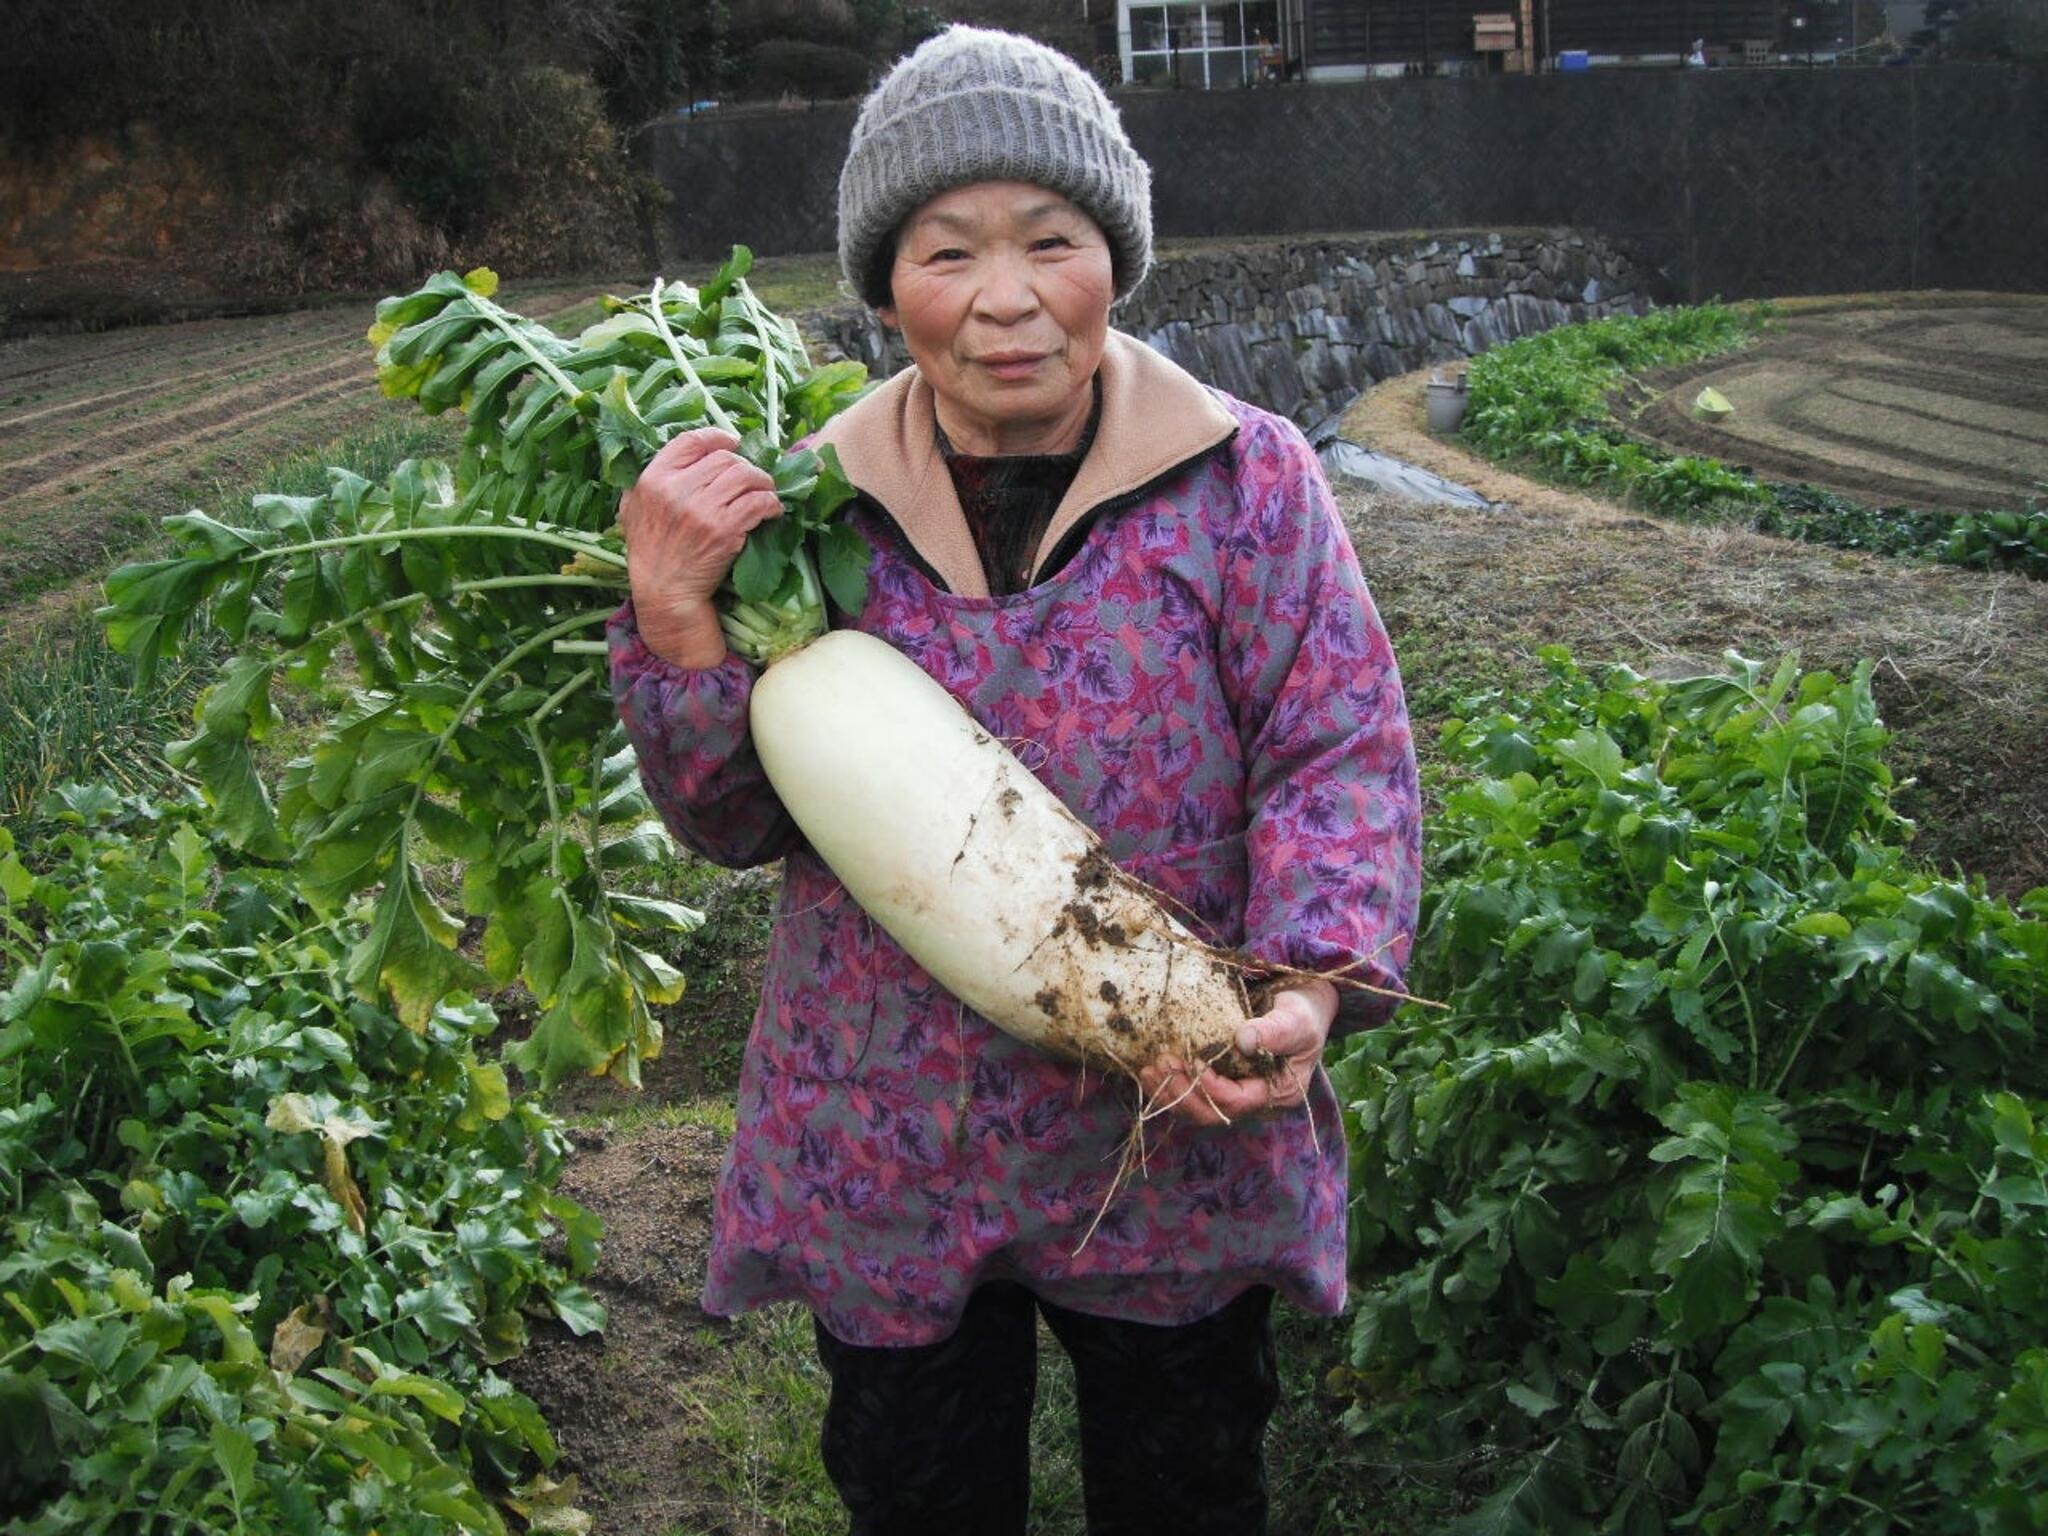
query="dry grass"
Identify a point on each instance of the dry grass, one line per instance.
(1961, 657)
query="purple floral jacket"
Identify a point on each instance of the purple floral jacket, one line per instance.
(1197, 670)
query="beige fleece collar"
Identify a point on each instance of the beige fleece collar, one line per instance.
(1155, 415)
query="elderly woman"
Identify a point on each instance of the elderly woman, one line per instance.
(1142, 585)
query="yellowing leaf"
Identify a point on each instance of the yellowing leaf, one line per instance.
(490, 1096)
(343, 1187)
(291, 1113)
(238, 1344)
(481, 281)
(297, 1336)
(295, 1113)
(409, 951)
(546, 1505)
(1826, 925)
(436, 1397)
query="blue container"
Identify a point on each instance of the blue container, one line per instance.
(1572, 60)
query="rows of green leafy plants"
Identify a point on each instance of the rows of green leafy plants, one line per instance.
(264, 1243)
(1718, 1199)
(1544, 398)
(2011, 539)
(1546, 401)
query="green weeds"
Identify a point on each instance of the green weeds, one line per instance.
(759, 1416)
(69, 710)
(1717, 1199)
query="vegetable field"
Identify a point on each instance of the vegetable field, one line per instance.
(1738, 979)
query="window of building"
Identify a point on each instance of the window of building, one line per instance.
(1206, 44)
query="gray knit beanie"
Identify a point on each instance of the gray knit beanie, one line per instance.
(973, 105)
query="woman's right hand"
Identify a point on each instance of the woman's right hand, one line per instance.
(685, 520)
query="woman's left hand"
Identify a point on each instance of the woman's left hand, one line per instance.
(1294, 1028)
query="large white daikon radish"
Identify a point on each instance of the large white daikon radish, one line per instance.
(980, 873)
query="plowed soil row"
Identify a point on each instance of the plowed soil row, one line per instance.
(205, 420)
(101, 435)
(193, 379)
(1929, 407)
(43, 370)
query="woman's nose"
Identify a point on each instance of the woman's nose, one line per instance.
(1007, 293)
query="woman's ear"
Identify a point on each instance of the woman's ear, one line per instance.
(887, 315)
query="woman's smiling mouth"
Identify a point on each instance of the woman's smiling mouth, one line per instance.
(1011, 365)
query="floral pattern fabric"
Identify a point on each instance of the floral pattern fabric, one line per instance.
(1206, 683)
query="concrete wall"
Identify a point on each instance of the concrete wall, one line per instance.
(1742, 183)
(1301, 327)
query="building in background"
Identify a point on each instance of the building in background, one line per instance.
(1216, 44)
(1206, 44)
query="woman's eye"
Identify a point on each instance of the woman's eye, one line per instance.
(1051, 243)
(949, 253)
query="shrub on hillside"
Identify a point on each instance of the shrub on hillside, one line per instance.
(814, 71)
(560, 186)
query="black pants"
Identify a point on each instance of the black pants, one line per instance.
(936, 1438)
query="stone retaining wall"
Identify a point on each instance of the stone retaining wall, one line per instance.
(1300, 327)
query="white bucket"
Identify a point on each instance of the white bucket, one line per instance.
(1445, 401)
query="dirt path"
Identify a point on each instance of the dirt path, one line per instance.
(619, 1402)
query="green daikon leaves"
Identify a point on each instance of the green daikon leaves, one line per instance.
(462, 597)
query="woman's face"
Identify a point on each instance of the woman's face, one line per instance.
(1002, 292)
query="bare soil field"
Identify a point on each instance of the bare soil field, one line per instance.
(101, 435)
(1942, 403)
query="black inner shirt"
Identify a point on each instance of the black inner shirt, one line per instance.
(1009, 500)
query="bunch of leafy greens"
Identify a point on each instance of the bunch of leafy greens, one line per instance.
(1720, 1199)
(264, 1242)
(480, 722)
(2008, 539)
